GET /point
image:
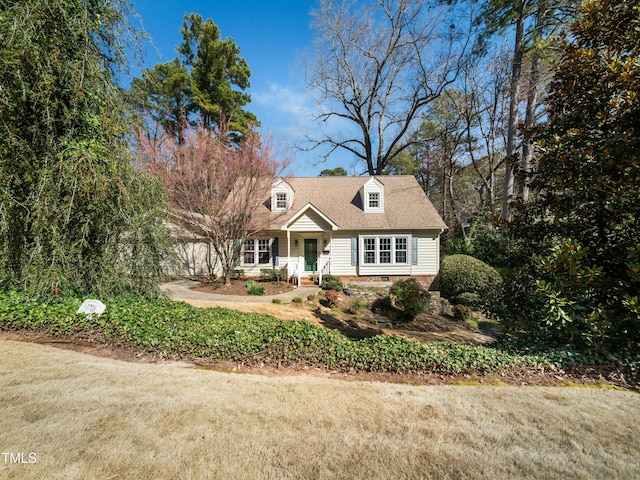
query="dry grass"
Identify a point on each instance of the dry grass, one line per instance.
(283, 311)
(87, 417)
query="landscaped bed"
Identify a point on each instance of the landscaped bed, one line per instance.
(238, 287)
(176, 330)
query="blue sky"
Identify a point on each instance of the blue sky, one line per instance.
(271, 36)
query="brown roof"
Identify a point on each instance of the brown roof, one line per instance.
(338, 198)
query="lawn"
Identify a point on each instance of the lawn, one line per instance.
(87, 417)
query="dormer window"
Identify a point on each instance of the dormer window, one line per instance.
(281, 196)
(374, 200)
(281, 201)
(372, 194)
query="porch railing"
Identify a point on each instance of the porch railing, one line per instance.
(293, 270)
(323, 269)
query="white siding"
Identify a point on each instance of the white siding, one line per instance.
(341, 254)
(375, 270)
(428, 254)
(193, 258)
(195, 255)
(309, 222)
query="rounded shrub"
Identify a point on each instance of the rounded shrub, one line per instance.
(410, 297)
(464, 274)
(471, 300)
(462, 313)
(329, 282)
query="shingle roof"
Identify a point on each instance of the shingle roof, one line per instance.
(405, 203)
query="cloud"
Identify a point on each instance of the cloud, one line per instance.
(283, 99)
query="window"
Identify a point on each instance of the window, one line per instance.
(369, 250)
(385, 250)
(263, 252)
(249, 257)
(401, 250)
(256, 249)
(374, 200)
(281, 201)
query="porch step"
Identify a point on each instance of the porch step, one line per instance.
(307, 282)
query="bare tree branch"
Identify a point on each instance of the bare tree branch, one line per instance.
(217, 189)
(378, 67)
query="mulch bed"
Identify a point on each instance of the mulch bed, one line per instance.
(237, 287)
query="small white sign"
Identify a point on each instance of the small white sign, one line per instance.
(91, 307)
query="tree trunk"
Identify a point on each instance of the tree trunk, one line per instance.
(512, 132)
(532, 102)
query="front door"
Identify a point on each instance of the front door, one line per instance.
(310, 254)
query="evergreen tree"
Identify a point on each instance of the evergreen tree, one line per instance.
(205, 86)
(585, 220)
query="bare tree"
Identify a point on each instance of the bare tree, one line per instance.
(533, 23)
(377, 67)
(217, 189)
(485, 113)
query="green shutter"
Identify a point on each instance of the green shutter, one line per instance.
(237, 246)
(275, 252)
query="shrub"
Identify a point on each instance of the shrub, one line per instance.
(297, 299)
(410, 297)
(457, 247)
(276, 300)
(462, 313)
(273, 274)
(558, 298)
(253, 288)
(355, 305)
(471, 300)
(464, 274)
(311, 296)
(329, 282)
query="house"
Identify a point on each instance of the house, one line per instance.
(356, 228)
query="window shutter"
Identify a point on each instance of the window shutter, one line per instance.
(414, 250)
(354, 251)
(275, 252)
(237, 244)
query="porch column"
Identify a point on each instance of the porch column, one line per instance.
(288, 255)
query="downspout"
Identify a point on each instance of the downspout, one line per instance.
(330, 252)
(288, 254)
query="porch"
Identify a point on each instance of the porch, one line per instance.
(309, 246)
(309, 258)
